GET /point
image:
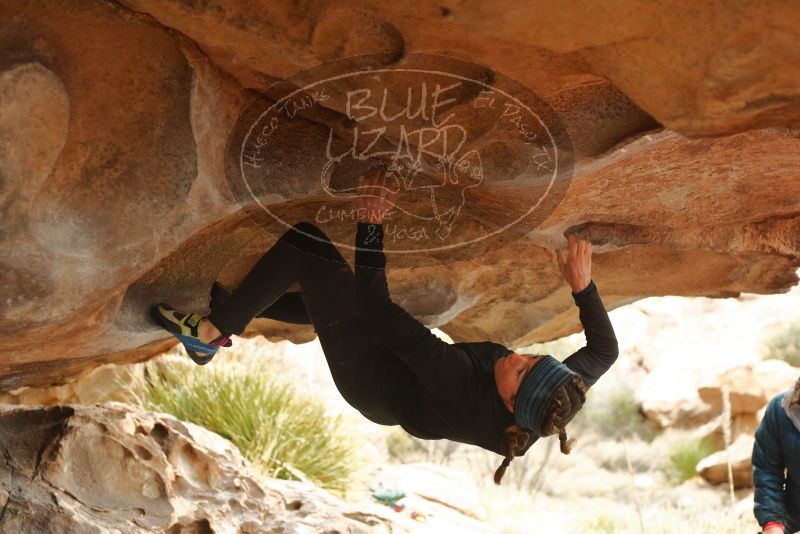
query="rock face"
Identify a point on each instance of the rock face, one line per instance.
(113, 184)
(751, 386)
(428, 484)
(105, 468)
(684, 358)
(714, 468)
(750, 389)
(107, 382)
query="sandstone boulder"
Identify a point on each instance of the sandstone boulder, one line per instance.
(714, 468)
(740, 424)
(107, 382)
(434, 489)
(750, 386)
(105, 468)
(667, 60)
(677, 412)
(115, 196)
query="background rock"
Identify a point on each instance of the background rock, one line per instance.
(714, 468)
(688, 344)
(108, 382)
(434, 489)
(750, 386)
(740, 424)
(113, 190)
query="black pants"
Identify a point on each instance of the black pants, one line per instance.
(304, 254)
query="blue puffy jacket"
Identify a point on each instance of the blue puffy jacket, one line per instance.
(776, 468)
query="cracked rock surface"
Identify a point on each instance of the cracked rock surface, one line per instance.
(113, 192)
(105, 468)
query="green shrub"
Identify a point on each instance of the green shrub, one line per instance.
(283, 434)
(627, 455)
(614, 413)
(402, 447)
(785, 345)
(684, 455)
(603, 524)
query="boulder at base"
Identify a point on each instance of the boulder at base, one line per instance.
(105, 468)
(714, 468)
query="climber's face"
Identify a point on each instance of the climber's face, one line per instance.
(508, 374)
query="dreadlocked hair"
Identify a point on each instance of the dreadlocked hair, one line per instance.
(567, 400)
(795, 398)
(515, 440)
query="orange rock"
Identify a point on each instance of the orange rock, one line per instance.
(714, 468)
(751, 386)
(113, 180)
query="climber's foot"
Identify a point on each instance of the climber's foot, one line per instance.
(196, 333)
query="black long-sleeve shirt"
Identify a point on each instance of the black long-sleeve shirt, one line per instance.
(448, 390)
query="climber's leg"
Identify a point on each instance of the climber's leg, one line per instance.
(289, 308)
(307, 256)
(303, 254)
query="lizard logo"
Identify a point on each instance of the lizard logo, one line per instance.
(407, 178)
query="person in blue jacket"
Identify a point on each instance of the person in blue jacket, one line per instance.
(776, 465)
(387, 364)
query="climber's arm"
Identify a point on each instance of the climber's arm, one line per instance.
(601, 348)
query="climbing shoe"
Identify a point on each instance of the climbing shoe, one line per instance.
(184, 326)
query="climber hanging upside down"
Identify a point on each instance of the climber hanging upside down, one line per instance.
(387, 364)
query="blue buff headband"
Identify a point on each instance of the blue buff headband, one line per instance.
(537, 390)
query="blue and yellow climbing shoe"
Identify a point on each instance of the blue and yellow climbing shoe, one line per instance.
(184, 326)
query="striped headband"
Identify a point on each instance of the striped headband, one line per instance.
(537, 391)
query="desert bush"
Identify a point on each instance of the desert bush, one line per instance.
(603, 524)
(683, 457)
(614, 413)
(404, 448)
(284, 434)
(400, 446)
(785, 345)
(623, 455)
